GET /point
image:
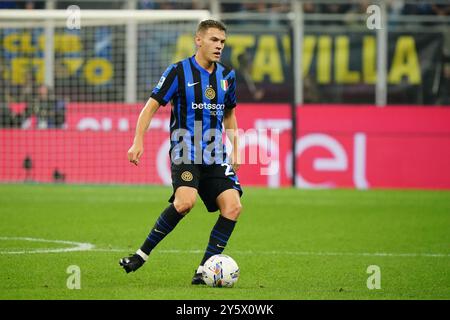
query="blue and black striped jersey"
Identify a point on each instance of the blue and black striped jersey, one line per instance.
(199, 100)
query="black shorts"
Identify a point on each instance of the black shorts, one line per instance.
(209, 180)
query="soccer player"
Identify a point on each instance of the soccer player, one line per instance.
(203, 95)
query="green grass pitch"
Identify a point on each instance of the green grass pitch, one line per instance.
(290, 244)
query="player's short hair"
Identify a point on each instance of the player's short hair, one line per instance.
(206, 24)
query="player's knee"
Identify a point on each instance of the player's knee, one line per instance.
(183, 206)
(232, 211)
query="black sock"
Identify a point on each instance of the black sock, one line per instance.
(166, 222)
(219, 237)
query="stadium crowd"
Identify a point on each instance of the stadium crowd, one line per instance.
(394, 6)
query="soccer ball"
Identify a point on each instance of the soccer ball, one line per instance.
(220, 270)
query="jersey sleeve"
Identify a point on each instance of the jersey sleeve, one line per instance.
(167, 86)
(230, 96)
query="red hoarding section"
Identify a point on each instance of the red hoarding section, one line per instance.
(400, 147)
(337, 146)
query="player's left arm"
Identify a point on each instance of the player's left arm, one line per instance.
(231, 128)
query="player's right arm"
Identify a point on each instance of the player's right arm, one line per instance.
(145, 117)
(161, 94)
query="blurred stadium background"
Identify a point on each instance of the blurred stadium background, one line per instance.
(359, 107)
(70, 94)
(66, 101)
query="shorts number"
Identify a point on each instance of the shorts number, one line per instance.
(228, 171)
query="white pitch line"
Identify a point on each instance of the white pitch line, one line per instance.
(82, 246)
(78, 246)
(296, 253)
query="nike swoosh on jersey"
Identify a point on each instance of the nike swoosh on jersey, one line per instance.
(192, 84)
(219, 246)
